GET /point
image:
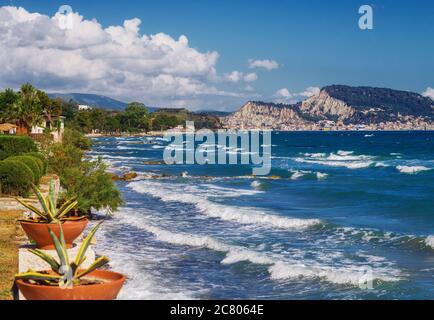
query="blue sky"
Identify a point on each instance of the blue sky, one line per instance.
(315, 43)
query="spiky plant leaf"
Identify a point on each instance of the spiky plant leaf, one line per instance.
(97, 264)
(47, 258)
(61, 213)
(66, 204)
(33, 209)
(73, 218)
(60, 246)
(85, 245)
(44, 203)
(37, 276)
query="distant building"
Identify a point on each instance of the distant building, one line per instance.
(56, 127)
(83, 107)
(8, 128)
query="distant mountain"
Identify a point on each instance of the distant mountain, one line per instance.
(214, 113)
(340, 107)
(93, 100)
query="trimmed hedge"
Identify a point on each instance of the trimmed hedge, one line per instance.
(14, 145)
(43, 162)
(33, 163)
(16, 178)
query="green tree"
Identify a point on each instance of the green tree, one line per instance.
(7, 100)
(28, 108)
(114, 123)
(93, 186)
(98, 118)
(86, 179)
(83, 121)
(50, 107)
(163, 121)
(135, 117)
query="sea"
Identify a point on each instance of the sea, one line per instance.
(342, 215)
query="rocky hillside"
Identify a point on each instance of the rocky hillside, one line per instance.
(341, 106)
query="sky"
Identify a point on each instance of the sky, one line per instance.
(215, 54)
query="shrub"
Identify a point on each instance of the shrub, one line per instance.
(77, 139)
(39, 156)
(93, 187)
(33, 163)
(15, 145)
(16, 178)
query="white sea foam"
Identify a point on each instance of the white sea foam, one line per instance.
(381, 164)
(212, 209)
(255, 184)
(315, 155)
(412, 169)
(341, 158)
(321, 176)
(279, 267)
(350, 274)
(347, 164)
(297, 174)
(344, 153)
(158, 147)
(429, 241)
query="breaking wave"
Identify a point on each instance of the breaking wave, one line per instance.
(339, 159)
(279, 267)
(412, 169)
(242, 215)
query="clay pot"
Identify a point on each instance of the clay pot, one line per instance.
(39, 232)
(108, 290)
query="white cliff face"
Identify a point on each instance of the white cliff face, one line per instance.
(323, 106)
(259, 115)
(339, 107)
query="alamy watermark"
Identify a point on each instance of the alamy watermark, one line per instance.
(221, 147)
(66, 21)
(366, 21)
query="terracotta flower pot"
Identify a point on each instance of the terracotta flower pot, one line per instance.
(39, 232)
(108, 290)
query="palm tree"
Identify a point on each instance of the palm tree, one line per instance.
(50, 107)
(28, 108)
(7, 100)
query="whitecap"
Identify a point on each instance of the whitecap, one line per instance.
(321, 176)
(412, 169)
(255, 184)
(224, 212)
(429, 241)
(278, 269)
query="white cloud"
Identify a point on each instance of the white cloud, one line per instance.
(117, 61)
(250, 77)
(283, 93)
(429, 92)
(249, 88)
(237, 76)
(234, 76)
(266, 64)
(285, 96)
(310, 91)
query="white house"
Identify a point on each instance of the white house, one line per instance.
(57, 129)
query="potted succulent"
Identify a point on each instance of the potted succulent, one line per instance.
(66, 280)
(50, 215)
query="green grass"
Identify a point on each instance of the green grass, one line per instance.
(9, 233)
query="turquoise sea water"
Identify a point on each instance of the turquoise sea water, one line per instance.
(348, 207)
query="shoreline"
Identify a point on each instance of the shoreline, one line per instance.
(162, 133)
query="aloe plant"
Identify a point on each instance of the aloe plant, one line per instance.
(50, 213)
(66, 273)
